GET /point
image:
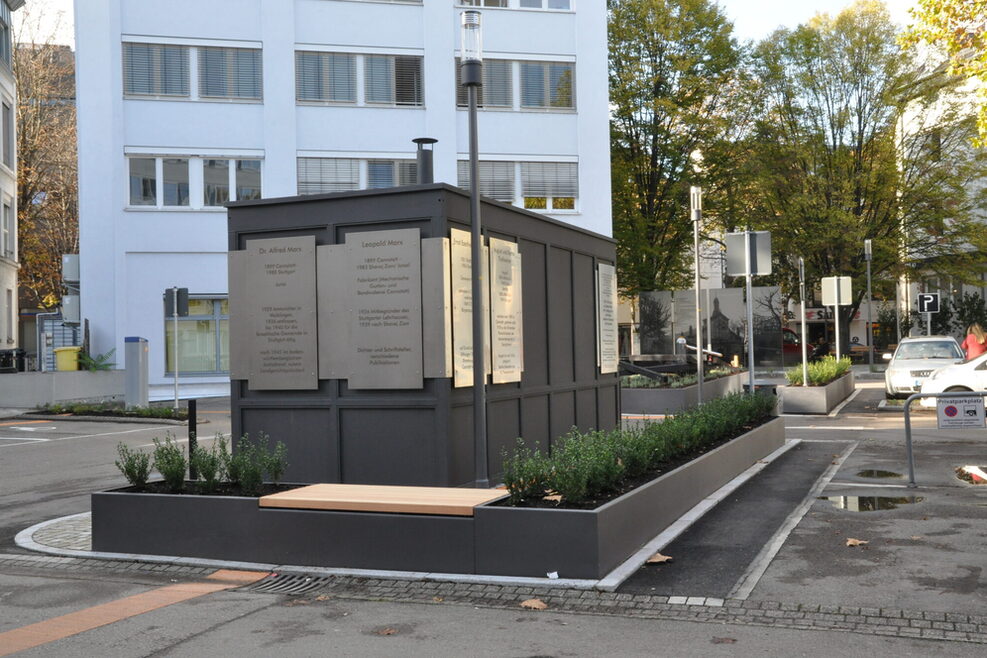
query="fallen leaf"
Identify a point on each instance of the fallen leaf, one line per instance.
(438, 599)
(323, 597)
(724, 640)
(855, 542)
(294, 602)
(386, 631)
(556, 497)
(534, 604)
(917, 537)
(658, 558)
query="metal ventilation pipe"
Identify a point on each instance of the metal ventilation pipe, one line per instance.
(425, 173)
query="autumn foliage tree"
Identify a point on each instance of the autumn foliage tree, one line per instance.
(47, 183)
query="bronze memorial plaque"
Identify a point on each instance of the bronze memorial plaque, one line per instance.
(462, 308)
(385, 295)
(505, 311)
(280, 273)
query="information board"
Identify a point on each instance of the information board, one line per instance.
(606, 321)
(462, 308)
(505, 311)
(385, 302)
(283, 341)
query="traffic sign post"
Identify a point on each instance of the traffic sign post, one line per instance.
(955, 410)
(928, 303)
(749, 253)
(836, 292)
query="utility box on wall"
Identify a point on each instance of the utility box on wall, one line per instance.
(320, 352)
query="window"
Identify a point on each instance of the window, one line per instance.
(393, 79)
(7, 232)
(321, 175)
(5, 38)
(216, 181)
(496, 179)
(10, 315)
(549, 185)
(546, 85)
(203, 338)
(175, 178)
(496, 88)
(329, 77)
(231, 73)
(545, 4)
(484, 3)
(155, 70)
(143, 182)
(391, 173)
(8, 136)
(169, 181)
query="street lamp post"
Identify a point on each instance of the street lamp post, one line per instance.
(472, 78)
(696, 206)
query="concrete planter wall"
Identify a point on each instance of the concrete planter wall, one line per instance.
(496, 541)
(672, 400)
(816, 399)
(31, 389)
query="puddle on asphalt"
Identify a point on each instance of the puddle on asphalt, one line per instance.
(870, 503)
(972, 474)
(873, 473)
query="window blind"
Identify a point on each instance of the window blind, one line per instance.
(230, 73)
(547, 84)
(393, 79)
(8, 135)
(496, 88)
(325, 77)
(496, 179)
(155, 69)
(549, 179)
(321, 175)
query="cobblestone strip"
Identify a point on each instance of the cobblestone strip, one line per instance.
(54, 562)
(871, 621)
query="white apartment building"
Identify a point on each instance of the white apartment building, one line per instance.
(8, 180)
(187, 104)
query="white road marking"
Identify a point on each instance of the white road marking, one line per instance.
(81, 436)
(27, 439)
(857, 428)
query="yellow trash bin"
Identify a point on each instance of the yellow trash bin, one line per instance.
(67, 358)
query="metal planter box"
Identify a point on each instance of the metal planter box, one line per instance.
(506, 541)
(816, 399)
(673, 400)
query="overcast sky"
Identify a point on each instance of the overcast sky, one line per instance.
(753, 19)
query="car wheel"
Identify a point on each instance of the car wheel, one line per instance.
(888, 395)
(957, 389)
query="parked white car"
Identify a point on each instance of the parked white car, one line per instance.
(967, 376)
(915, 359)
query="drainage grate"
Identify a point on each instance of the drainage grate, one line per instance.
(288, 584)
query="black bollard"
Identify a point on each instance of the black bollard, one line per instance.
(192, 472)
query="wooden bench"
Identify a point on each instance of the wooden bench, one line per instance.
(444, 501)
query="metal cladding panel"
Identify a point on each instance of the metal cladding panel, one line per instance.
(534, 315)
(560, 343)
(308, 434)
(239, 322)
(562, 413)
(586, 409)
(584, 318)
(504, 428)
(389, 446)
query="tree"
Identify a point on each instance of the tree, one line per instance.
(833, 167)
(671, 62)
(959, 29)
(47, 184)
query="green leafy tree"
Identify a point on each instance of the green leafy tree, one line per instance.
(672, 64)
(831, 165)
(958, 28)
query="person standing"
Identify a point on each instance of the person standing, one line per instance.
(974, 343)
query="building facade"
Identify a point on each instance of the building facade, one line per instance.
(8, 180)
(186, 105)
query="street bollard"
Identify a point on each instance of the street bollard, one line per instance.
(192, 471)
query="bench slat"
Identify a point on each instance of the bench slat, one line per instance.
(377, 498)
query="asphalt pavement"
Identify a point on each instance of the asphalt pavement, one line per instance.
(768, 570)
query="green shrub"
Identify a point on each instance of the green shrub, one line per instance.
(277, 462)
(97, 363)
(252, 461)
(582, 465)
(821, 372)
(208, 463)
(671, 380)
(170, 462)
(134, 464)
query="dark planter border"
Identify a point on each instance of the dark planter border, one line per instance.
(816, 399)
(672, 400)
(505, 541)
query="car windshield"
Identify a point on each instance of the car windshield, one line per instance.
(929, 349)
